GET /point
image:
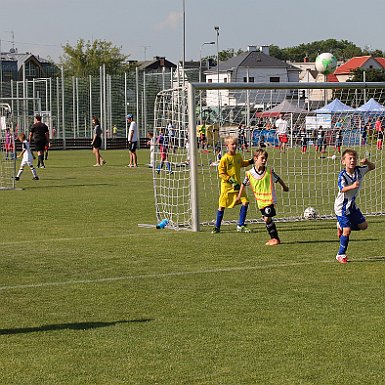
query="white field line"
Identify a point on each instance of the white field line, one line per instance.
(173, 274)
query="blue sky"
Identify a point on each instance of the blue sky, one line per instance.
(154, 27)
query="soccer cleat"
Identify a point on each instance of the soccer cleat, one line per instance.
(215, 230)
(342, 258)
(17, 178)
(35, 178)
(243, 229)
(170, 172)
(273, 242)
(339, 230)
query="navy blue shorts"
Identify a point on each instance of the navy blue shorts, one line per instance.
(351, 220)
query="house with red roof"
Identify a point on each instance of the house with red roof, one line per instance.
(345, 71)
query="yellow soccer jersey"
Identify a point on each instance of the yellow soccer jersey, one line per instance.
(230, 167)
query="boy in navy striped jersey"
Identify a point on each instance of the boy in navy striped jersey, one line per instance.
(349, 216)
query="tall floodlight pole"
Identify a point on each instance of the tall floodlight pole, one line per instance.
(200, 77)
(1, 73)
(216, 28)
(184, 38)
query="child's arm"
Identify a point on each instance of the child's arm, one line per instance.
(283, 184)
(353, 186)
(222, 171)
(366, 162)
(240, 192)
(246, 163)
(21, 154)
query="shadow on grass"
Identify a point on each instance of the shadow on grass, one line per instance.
(71, 326)
(69, 185)
(327, 241)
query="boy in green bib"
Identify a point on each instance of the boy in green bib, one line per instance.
(261, 180)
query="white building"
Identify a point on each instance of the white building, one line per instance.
(253, 66)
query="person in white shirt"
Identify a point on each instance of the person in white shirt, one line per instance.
(27, 158)
(281, 130)
(132, 140)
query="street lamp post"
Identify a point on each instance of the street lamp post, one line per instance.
(200, 76)
(184, 39)
(216, 28)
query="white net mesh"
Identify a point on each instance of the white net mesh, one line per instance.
(7, 150)
(320, 123)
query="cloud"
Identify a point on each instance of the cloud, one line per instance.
(171, 22)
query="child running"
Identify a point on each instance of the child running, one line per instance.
(349, 216)
(163, 142)
(26, 154)
(229, 170)
(261, 180)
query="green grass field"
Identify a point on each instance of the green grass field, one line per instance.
(88, 297)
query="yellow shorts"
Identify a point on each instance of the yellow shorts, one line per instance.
(228, 199)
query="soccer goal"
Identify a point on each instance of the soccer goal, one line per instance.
(7, 149)
(321, 120)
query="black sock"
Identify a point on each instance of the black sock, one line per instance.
(41, 160)
(272, 230)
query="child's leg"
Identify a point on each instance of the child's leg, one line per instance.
(21, 169)
(271, 228)
(219, 218)
(242, 214)
(160, 166)
(344, 241)
(33, 170)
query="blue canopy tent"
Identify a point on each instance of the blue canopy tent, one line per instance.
(371, 107)
(334, 107)
(339, 113)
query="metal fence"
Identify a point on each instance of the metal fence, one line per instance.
(67, 104)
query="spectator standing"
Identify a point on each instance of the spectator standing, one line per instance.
(132, 140)
(97, 142)
(281, 130)
(40, 134)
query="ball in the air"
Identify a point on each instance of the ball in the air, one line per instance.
(326, 63)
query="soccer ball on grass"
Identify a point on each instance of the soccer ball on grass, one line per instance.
(310, 213)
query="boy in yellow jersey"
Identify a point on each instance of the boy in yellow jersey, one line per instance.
(229, 170)
(261, 180)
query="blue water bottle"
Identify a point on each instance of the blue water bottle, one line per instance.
(162, 224)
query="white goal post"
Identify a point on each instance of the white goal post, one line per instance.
(323, 119)
(16, 116)
(7, 148)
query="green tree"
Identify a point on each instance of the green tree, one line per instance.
(86, 57)
(341, 49)
(371, 75)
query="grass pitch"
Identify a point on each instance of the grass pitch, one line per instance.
(88, 297)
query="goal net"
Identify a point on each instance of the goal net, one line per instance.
(322, 119)
(7, 149)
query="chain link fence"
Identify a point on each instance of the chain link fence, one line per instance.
(67, 104)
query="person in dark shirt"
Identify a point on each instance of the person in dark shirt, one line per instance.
(40, 134)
